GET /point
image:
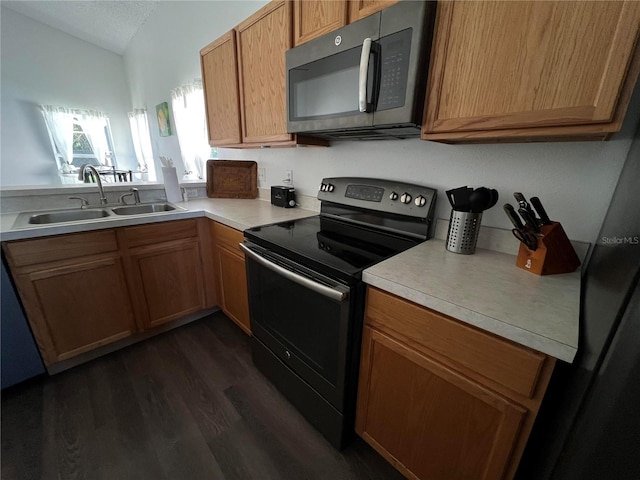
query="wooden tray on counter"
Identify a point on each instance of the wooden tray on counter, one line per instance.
(232, 179)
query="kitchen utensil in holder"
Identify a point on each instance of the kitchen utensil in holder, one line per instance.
(463, 232)
(554, 254)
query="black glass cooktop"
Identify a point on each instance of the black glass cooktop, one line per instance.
(331, 246)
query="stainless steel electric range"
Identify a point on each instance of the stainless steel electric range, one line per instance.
(306, 295)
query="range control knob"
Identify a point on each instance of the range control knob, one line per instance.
(323, 187)
(420, 201)
(393, 196)
(405, 198)
(330, 187)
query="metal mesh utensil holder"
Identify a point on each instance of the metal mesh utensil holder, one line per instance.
(463, 232)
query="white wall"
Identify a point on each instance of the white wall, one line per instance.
(164, 54)
(575, 180)
(42, 65)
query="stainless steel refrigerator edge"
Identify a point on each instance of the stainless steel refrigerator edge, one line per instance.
(589, 423)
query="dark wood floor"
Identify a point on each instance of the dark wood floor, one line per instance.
(187, 404)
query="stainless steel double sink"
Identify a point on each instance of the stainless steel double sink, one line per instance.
(26, 219)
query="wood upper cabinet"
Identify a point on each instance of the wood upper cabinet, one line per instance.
(441, 399)
(73, 290)
(502, 69)
(165, 270)
(313, 18)
(363, 8)
(232, 277)
(219, 63)
(243, 75)
(263, 40)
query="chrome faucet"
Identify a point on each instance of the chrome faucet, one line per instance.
(103, 199)
(132, 192)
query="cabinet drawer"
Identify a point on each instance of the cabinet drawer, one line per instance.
(230, 237)
(41, 250)
(160, 232)
(502, 361)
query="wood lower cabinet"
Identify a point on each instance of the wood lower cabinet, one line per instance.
(232, 277)
(503, 70)
(164, 265)
(85, 290)
(74, 292)
(442, 400)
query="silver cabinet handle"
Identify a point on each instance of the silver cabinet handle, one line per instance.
(362, 79)
(336, 294)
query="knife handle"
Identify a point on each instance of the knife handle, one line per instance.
(529, 220)
(513, 216)
(535, 201)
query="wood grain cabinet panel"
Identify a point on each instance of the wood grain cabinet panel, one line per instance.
(244, 82)
(440, 399)
(312, 19)
(73, 291)
(168, 281)
(502, 69)
(232, 278)
(428, 420)
(219, 64)
(84, 290)
(363, 8)
(263, 40)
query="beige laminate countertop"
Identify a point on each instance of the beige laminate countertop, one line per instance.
(238, 214)
(487, 290)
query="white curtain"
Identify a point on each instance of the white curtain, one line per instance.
(142, 142)
(188, 107)
(93, 125)
(59, 122)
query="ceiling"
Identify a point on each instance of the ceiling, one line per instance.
(105, 23)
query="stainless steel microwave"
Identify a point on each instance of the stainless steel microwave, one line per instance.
(365, 81)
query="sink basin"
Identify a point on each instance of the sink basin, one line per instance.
(145, 208)
(66, 216)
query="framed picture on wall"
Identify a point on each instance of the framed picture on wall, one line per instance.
(164, 125)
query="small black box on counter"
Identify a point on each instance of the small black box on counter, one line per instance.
(282, 196)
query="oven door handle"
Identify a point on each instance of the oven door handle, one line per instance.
(336, 294)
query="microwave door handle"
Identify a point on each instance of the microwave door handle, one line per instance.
(333, 294)
(362, 79)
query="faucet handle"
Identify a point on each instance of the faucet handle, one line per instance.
(136, 194)
(83, 201)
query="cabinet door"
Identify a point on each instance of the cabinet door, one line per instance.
(363, 8)
(219, 63)
(312, 19)
(76, 305)
(168, 280)
(500, 65)
(233, 287)
(263, 40)
(428, 420)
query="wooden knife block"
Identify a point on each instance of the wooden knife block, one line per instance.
(554, 254)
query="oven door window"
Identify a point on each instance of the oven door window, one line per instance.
(308, 331)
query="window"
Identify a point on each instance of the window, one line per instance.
(142, 143)
(187, 103)
(79, 137)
